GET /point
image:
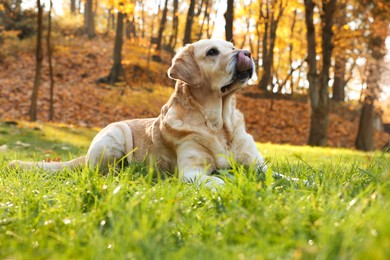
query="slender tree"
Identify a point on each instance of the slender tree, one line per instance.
(162, 26)
(271, 15)
(210, 25)
(89, 21)
(292, 69)
(318, 82)
(110, 20)
(340, 52)
(131, 29)
(117, 72)
(376, 45)
(364, 139)
(190, 20)
(339, 79)
(175, 25)
(248, 12)
(73, 6)
(38, 68)
(206, 15)
(49, 56)
(143, 28)
(229, 18)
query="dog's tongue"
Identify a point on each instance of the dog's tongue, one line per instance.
(244, 62)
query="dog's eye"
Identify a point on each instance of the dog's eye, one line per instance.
(212, 52)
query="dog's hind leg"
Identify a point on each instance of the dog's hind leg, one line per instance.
(110, 145)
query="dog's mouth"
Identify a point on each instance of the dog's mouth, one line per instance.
(243, 71)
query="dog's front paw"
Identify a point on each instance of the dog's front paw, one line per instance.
(214, 182)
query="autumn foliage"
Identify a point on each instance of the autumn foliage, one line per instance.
(80, 100)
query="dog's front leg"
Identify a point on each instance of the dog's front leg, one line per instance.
(195, 165)
(246, 152)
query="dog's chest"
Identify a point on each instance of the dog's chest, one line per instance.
(218, 144)
(218, 140)
(223, 146)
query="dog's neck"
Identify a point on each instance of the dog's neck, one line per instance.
(216, 109)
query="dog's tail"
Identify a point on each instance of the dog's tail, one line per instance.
(49, 166)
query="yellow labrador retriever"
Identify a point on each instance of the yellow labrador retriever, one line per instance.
(198, 129)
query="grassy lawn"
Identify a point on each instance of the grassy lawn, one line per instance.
(133, 214)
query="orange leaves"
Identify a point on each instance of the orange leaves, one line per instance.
(80, 101)
(289, 121)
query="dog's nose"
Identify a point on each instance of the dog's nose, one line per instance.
(247, 53)
(244, 61)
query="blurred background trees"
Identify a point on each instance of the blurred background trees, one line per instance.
(328, 51)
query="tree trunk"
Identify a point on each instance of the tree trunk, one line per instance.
(89, 22)
(290, 53)
(258, 34)
(85, 16)
(269, 38)
(38, 68)
(162, 26)
(131, 30)
(319, 122)
(190, 19)
(377, 46)
(113, 24)
(143, 20)
(150, 50)
(229, 18)
(289, 77)
(117, 72)
(266, 75)
(175, 25)
(95, 9)
(248, 16)
(311, 53)
(73, 6)
(339, 80)
(205, 17)
(364, 139)
(49, 56)
(210, 26)
(318, 83)
(109, 20)
(200, 5)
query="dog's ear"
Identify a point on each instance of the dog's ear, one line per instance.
(185, 68)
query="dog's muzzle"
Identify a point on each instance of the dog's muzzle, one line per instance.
(243, 71)
(244, 63)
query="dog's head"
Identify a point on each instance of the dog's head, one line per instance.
(215, 64)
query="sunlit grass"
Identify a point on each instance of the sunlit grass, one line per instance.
(40, 141)
(148, 97)
(316, 155)
(130, 213)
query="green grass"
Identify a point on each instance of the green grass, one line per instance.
(132, 214)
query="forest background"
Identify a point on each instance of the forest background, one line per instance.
(323, 66)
